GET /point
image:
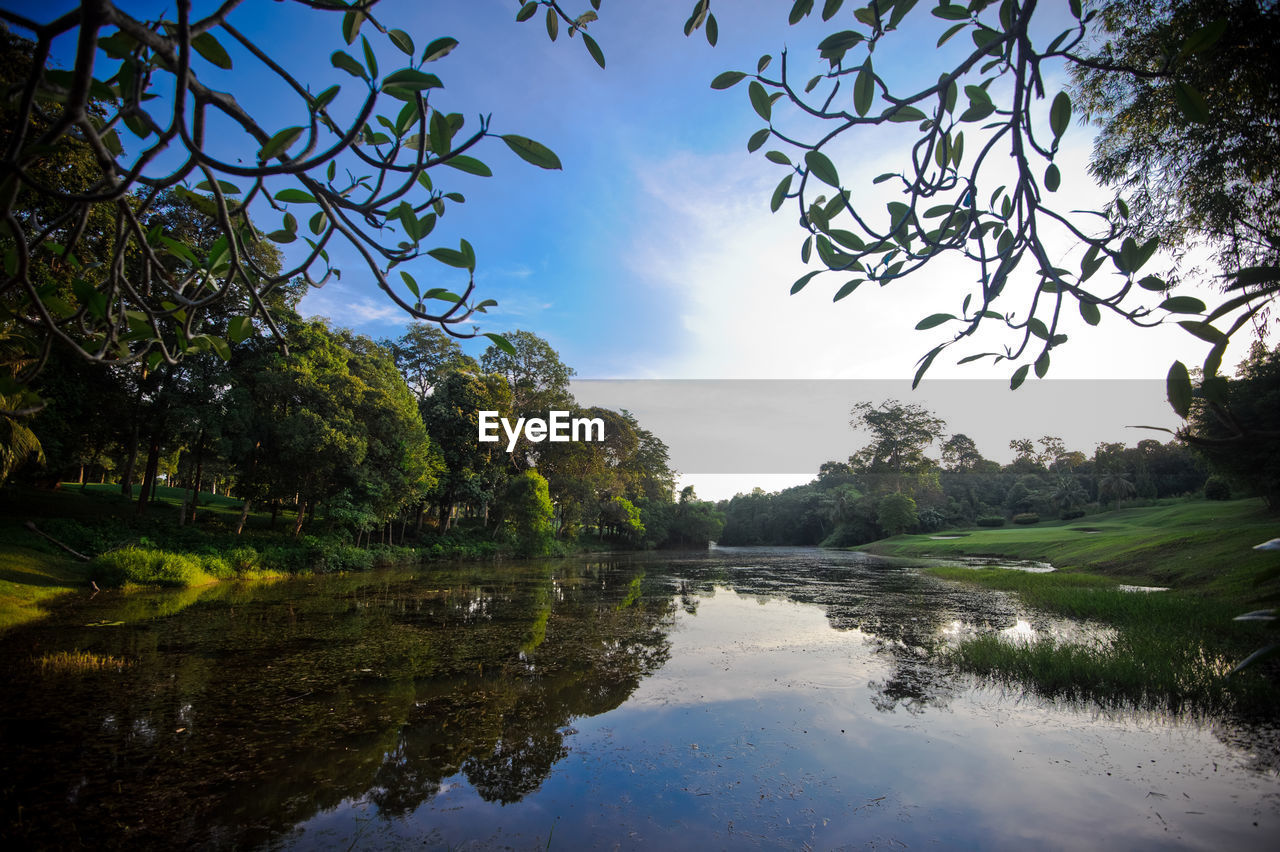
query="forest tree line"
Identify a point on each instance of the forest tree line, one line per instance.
(336, 433)
(893, 485)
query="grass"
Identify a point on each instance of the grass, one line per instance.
(79, 662)
(30, 579)
(1174, 650)
(1200, 545)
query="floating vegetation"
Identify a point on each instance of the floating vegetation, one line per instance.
(79, 662)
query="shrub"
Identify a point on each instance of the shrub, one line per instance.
(1071, 514)
(243, 559)
(1026, 518)
(990, 522)
(148, 567)
(1217, 488)
(216, 566)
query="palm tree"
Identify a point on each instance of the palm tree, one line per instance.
(1068, 493)
(1116, 486)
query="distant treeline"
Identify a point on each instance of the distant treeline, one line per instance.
(894, 486)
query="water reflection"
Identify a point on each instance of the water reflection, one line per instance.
(740, 697)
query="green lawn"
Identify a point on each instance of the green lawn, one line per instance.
(1202, 545)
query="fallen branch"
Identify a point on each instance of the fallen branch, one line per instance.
(31, 525)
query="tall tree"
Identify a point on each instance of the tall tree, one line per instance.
(900, 434)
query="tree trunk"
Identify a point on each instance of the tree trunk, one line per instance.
(297, 525)
(244, 514)
(126, 475)
(149, 477)
(195, 486)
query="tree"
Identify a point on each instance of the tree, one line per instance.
(896, 514)
(960, 454)
(1209, 174)
(954, 196)
(527, 513)
(899, 436)
(474, 471)
(139, 89)
(423, 354)
(539, 380)
(1240, 438)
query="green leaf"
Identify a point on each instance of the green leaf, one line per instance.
(1042, 365)
(500, 341)
(902, 114)
(932, 321)
(821, 167)
(758, 139)
(532, 152)
(778, 157)
(1037, 327)
(864, 89)
(345, 61)
(1204, 38)
(351, 22)
(1052, 178)
(1090, 313)
(217, 344)
(295, 196)
(227, 188)
(847, 288)
(440, 48)
(402, 40)
(760, 100)
(279, 143)
(951, 12)
(1178, 389)
(1191, 102)
(727, 79)
(1183, 305)
(803, 280)
(1060, 114)
(411, 79)
(526, 12)
(370, 61)
(1019, 376)
(411, 283)
(925, 362)
(207, 46)
(239, 329)
(470, 165)
(449, 257)
(594, 49)
(1205, 332)
(780, 194)
(553, 24)
(713, 32)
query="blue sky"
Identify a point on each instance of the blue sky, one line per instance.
(653, 253)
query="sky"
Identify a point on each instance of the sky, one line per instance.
(653, 255)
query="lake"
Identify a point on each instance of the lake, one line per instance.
(737, 698)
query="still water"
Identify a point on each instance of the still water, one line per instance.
(741, 698)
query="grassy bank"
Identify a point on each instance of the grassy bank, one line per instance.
(155, 550)
(1173, 650)
(1198, 545)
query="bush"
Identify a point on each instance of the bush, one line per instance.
(1217, 488)
(990, 522)
(243, 559)
(1026, 518)
(216, 566)
(1071, 514)
(148, 567)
